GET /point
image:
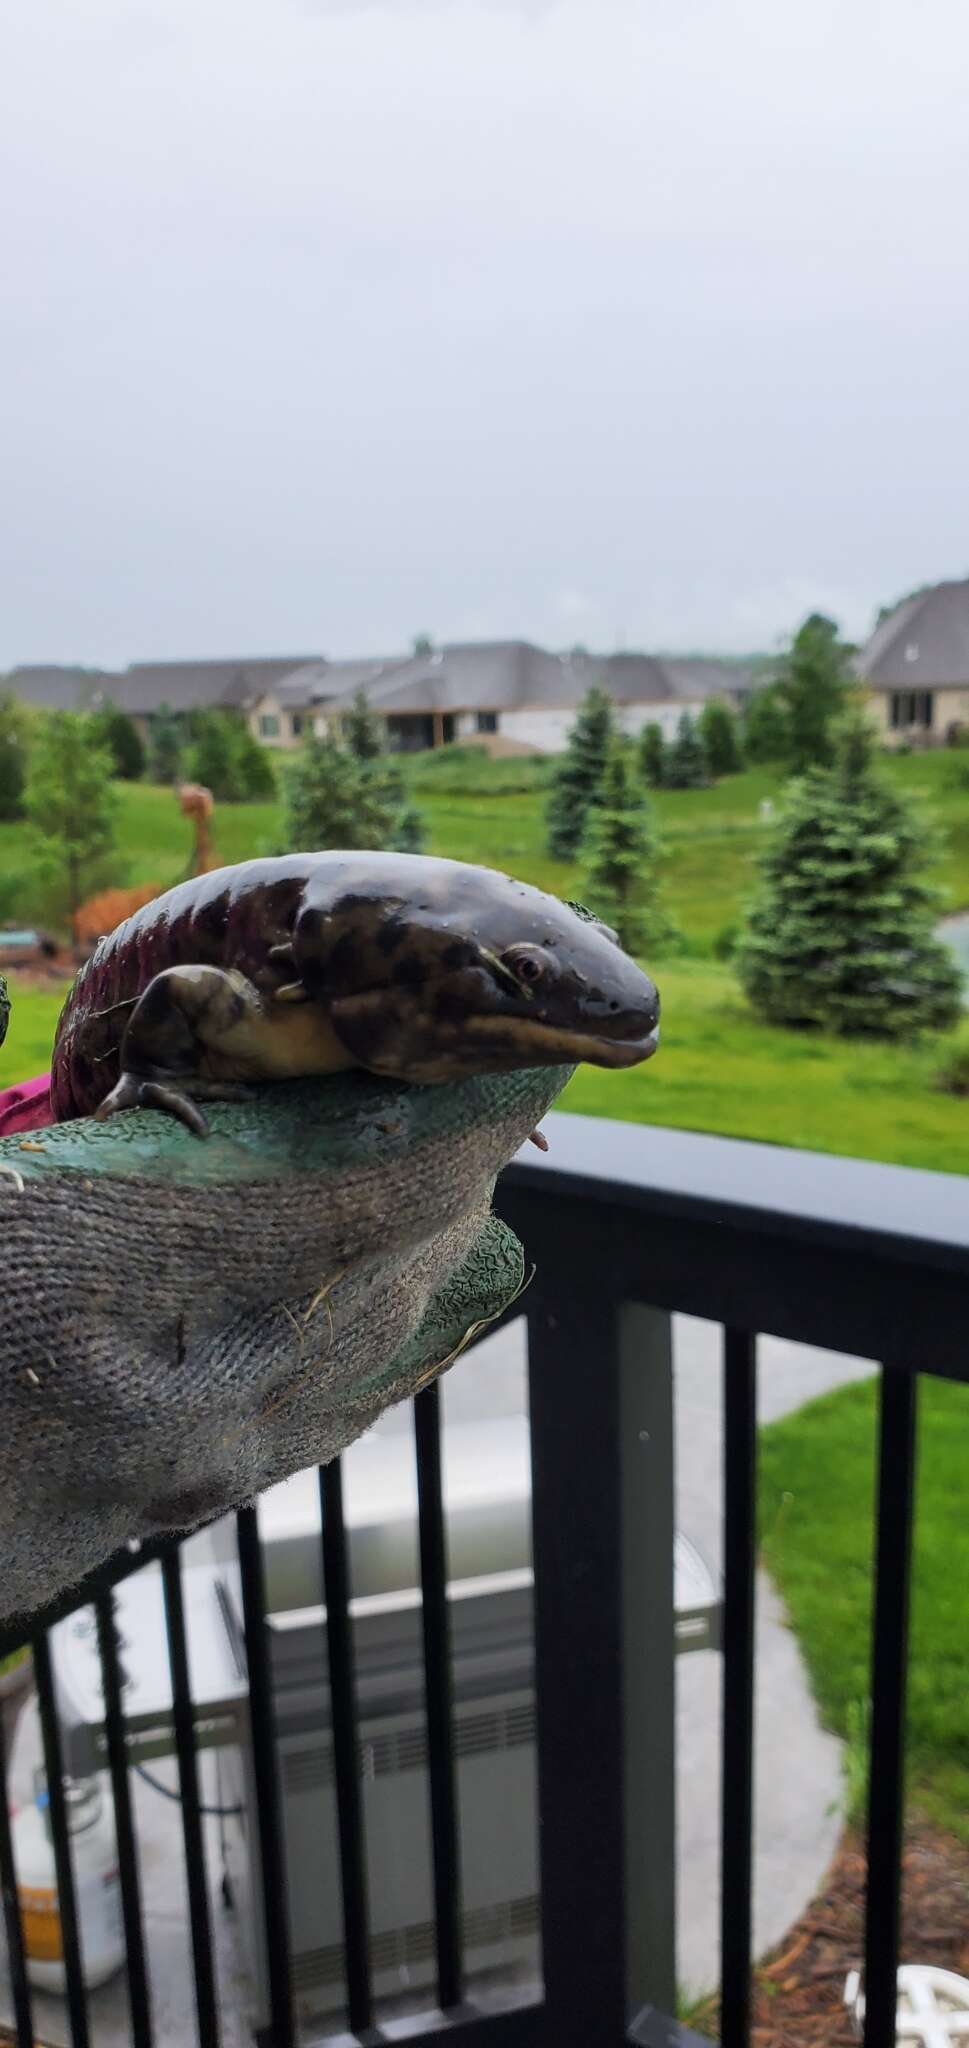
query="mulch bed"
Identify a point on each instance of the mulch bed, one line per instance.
(800, 1987)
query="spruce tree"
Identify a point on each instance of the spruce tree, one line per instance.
(214, 756)
(685, 768)
(813, 691)
(719, 739)
(621, 860)
(331, 800)
(361, 730)
(254, 771)
(409, 835)
(651, 754)
(578, 773)
(164, 746)
(119, 733)
(765, 728)
(406, 829)
(841, 935)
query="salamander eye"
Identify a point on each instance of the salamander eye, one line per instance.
(526, 963)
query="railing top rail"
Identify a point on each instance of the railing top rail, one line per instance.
(902, 1212)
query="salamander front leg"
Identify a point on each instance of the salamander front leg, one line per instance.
(182, 1013)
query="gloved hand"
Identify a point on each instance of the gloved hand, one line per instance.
(184, 1323)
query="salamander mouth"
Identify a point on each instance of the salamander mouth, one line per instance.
(596, 1048)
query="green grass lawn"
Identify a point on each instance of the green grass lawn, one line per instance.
(817, 1478)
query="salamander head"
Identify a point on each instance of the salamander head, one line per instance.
(431, 969)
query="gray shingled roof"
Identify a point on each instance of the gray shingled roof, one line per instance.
(52, 688)
(190, 685)
(513, 674)
(317, 682)
(923, 642)
(474, 675)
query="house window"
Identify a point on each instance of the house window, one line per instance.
(299, 723)
(269, 726)
(487, 721)
(911, 707)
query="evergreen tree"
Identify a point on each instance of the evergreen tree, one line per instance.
(685, 767)
(766, 726)
(332, 800)
(119, 733)
(651, 753)
(164, 746)
(214, 755)
(13, 758)
(578, 773)
(621, 860)
(406, 831)
(361, 730)
(813, 690)
(70, 804)
(254, 771)
(842, 932)
(719, 739)
(409, 834)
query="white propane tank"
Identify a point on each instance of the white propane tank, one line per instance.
(97, 1886)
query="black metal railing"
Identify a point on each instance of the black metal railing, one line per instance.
(625, 1227)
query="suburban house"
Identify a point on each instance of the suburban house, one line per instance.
(506, 695)
(513, 697)
(916, 667)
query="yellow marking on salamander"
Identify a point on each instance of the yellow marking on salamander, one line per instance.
(273, 1044)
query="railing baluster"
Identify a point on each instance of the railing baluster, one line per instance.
(439, 1691)
(577, 1514)
(183, 1723)
(266, 1776)
(343, 1711)
(16, 1962)
(60, 1836)
(886, 1780)
(114, 1729)
(739, 1545)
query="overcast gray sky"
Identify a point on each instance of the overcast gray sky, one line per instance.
(325, 324)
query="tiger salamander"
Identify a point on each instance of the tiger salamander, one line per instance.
(403, 965)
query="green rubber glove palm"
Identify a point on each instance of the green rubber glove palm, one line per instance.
(187, 1322)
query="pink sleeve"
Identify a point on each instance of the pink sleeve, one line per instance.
(25, 1107)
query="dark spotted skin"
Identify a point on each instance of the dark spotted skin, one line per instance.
(397, 963)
